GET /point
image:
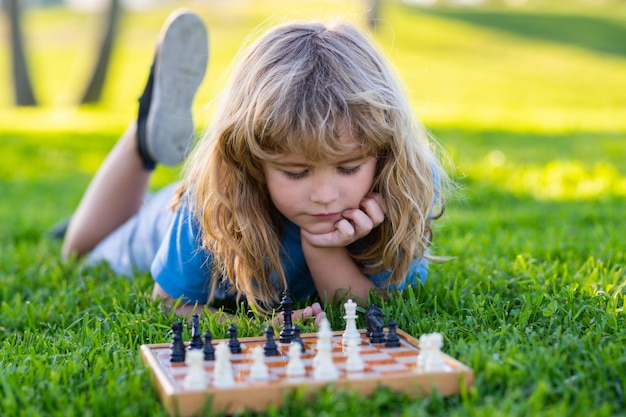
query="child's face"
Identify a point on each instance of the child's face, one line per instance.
(313, 195)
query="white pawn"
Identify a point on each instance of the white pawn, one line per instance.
(324, 341)
(351, 331)
(430, 358)
(354, 363)
(223, 372)
(196, 378)
(258, 370)
(295, 366)
(323, 366)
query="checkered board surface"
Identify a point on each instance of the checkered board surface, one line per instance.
(393, 367)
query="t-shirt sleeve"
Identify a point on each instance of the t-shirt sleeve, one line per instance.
(181, 266)
(418, 272)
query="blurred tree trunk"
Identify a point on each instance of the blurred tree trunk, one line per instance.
(373, 13)
(98, 77)
(22, 86)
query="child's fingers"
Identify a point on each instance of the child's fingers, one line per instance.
(359, 224)
(317, 308)
(319, 317)
(314, 310)
(373, 207)
(346, 228)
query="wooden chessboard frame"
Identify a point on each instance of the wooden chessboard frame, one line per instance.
(261, 395)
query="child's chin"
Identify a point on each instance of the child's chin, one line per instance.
(320, 229)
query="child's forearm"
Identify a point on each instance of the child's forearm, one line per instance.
(335, 274)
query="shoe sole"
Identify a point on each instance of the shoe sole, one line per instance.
(182, 60)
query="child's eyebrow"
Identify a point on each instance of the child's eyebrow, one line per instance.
(306, 164)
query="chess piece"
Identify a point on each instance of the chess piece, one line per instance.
(223, 371)
(270, 348)
(258, 370)
(177, 347)
(208, 350)
(324, 368)
(351, 331)
(196, 338)
(354, 362)
(196, 378)
(374, 323)
(430, 358)
(233, 344)
(393, 340)
(286, 334)
(295, 366)
(297, 339)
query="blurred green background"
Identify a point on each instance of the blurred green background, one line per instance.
(528, 96)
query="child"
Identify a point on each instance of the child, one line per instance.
(314, 177)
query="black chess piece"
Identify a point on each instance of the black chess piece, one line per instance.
(393, 340)
(233, 344)
(286, 334)
(208, 350)
(196, 338)
(177, 347)
(297, 338)
(374, 323)
(270, 348)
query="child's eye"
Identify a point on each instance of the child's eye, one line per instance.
(295, 175)
(349, 170)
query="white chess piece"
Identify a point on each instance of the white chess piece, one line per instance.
(354, 362)
(258, 370)
(323, 366)
(324, 340)
(295, 366)
(196, 378)
(223, 372)
(430, 358)
(351, 331)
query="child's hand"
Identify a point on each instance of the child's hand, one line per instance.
(313, 311)
(355, 224)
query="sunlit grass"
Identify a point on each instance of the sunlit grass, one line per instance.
(556, 180)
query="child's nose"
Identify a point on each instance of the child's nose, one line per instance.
(324, 190)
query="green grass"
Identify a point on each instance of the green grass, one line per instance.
(529, 103)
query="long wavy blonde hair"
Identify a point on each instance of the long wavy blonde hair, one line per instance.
(293, 90)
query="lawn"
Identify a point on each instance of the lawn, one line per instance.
(529, 104)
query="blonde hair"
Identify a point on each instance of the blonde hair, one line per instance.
(294, 90)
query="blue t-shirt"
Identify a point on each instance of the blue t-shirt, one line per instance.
(183, 268)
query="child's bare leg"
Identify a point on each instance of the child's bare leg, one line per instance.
(163, 134)
(114, 195)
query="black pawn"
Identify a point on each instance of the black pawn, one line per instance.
(297, 338)
(270, 348)
(286, 334)
(233, 344)
(177, 347)
(196, 338)
(393, 340)
(208, 350)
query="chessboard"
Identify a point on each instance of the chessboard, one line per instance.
(399, 367)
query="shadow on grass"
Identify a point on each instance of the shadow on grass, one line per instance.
(595, 33)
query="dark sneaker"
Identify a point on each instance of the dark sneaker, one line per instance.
(165, 127)
(58, 230)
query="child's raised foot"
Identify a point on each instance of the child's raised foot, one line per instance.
(165, 127)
